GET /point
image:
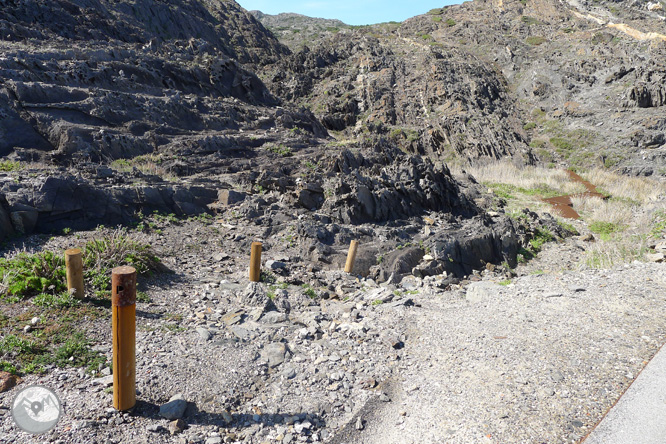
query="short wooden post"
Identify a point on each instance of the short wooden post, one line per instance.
(74, 266)
(255, 262)
(123, 301)
(351, 256)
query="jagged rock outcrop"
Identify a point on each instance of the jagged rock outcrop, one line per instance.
(212, 26)
(62, 201)
(406, 188)
(444, 100)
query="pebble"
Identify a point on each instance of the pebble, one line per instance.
(177, 426)
(204, 333)
(155, 428)
(359, 424)
(274, 354)
(227, 417)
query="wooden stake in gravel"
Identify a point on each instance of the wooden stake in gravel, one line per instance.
(123, 324)
(255, 262)
(74, 266)
(351, 256)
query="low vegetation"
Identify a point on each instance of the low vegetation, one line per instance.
(524, 186)
(42, 323)
(624, 224)
(149, 164)
(9, 165)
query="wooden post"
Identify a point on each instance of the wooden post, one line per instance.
(351, 256)
(123, 301)
(74, 266)
(255, 262)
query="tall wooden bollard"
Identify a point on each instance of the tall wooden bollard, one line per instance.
(255, 262)
(123, 324)
(74, 266)
(351, 256)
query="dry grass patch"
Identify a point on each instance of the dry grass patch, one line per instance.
(637, 189)
(529, 180)
(625, 225)
(596, 209)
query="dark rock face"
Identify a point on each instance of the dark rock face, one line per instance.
(361, 80)
(399, 191)
(211, 26)
(54, 203)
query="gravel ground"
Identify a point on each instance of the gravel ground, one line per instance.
(539, 359)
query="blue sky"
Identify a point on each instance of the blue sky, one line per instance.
(352, 12)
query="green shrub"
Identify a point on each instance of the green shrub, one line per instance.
(8, 367)
(280, 149)
(561, 144)
(8, 165)
(62, 300)
(529, 20)
(101, 255)
(450, 22)
(26, 275)
(535, 40)
(541, 236)
(605, 230)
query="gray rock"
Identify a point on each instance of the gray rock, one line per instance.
(104, 172)
(24, 221)
(233, 317)
(275, 265)
(655, 257)
(106, 381)
(359, 423)
(241, 333)
(6, 227)
(230, 197)
(177, 426)
(255, 295)
(274, 354)
(274, 317)
(175, 408)
(213, 440)
(289, 372)
(478, 292)
(227, 417)
(155, 428)
(204, 333)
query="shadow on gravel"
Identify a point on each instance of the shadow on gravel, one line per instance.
(193, 415)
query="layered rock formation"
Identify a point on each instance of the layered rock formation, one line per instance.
(111, 109)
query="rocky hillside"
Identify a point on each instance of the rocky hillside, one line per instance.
(112, 102)
(199, 130)
(587, 77)
(297, 31)
(576, 84)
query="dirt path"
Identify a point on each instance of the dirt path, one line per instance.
(539, 360)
